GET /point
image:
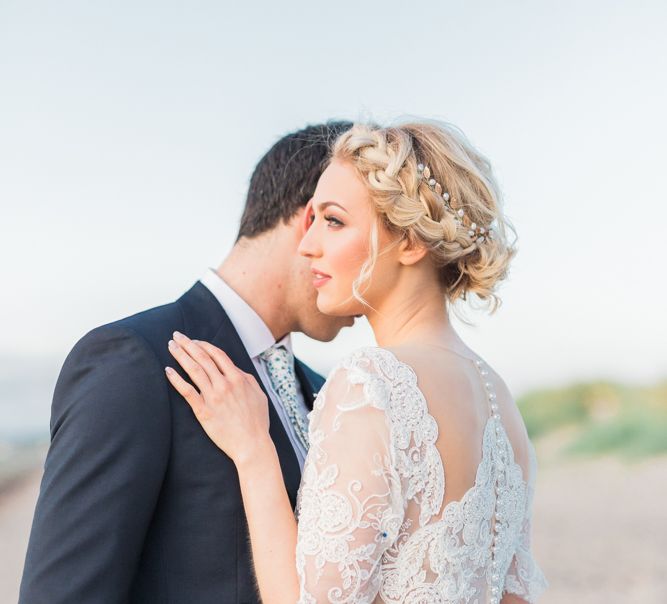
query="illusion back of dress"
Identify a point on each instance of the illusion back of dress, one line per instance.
(412, 491)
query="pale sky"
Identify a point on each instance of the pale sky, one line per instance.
(128, 132)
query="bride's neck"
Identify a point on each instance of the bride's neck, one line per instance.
(414, 317)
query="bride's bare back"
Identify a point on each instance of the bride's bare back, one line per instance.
(457, 396)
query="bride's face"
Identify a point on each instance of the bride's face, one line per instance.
(338, 243)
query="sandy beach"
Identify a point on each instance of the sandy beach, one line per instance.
(600, 531)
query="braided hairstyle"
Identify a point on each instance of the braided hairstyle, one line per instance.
(387, 161)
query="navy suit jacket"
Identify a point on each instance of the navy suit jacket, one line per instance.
(137, 504)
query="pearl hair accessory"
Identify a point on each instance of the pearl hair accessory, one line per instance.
(478, 233)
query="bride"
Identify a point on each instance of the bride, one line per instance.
(419, 478)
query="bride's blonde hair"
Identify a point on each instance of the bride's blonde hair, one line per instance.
(391, 163)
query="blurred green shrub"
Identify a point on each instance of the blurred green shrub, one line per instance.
(606, 417)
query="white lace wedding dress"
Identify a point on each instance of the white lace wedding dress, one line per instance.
(371, 522)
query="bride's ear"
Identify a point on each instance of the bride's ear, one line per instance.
(410, 251)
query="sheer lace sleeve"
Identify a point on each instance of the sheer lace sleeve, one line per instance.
(524, 577)
(350, 506)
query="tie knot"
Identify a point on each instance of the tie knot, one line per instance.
(277, 354)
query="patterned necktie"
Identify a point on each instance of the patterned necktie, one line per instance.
(280, 364)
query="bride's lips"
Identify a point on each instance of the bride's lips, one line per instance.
(319, 278)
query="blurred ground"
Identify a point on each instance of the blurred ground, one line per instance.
(600, 531)
(17, 503)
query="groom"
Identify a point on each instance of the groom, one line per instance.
(137, 504)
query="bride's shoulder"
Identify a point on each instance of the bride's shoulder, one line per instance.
(369, 362)
(367, 373)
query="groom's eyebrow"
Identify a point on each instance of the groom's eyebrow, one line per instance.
(323, 206)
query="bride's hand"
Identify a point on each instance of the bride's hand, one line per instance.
(228, 403)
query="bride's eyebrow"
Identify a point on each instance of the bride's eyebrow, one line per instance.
(324, 205)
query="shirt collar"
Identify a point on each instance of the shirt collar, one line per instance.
(252, 330)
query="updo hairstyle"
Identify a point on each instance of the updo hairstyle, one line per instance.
(390, 162)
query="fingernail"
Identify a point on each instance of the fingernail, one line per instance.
(172, 344)
(178, 335)
(169, 370)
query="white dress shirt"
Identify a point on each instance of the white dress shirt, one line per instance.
(256, 338)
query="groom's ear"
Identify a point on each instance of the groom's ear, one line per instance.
(411, 251)
(305, 217)
(299, 223)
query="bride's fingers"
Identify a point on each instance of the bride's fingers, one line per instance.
(223, 362)
(191, 367)
(187, 391)
(198, 354)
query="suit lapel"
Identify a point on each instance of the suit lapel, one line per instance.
(310, 385)
(227, 339)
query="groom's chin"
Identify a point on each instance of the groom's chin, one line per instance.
(328, 327)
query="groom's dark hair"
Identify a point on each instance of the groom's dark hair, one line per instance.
(284, 180)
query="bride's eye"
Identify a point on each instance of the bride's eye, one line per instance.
(333, 221)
